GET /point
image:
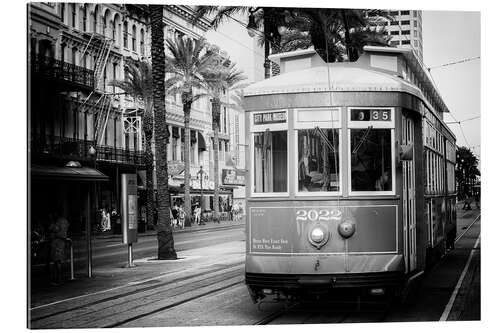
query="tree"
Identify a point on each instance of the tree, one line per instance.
(467, 171)
(185, 63)
(165, 237)
(220, 80)
(338, 33)
(138, 83)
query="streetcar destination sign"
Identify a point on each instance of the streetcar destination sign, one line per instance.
(370, 115)
(269, 118)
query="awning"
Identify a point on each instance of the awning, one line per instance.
(202, 146)
(66, 173)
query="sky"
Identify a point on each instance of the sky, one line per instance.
(448, 36)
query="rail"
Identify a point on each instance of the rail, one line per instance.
(56, 69)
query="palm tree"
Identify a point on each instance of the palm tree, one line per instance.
(330, 30)
(186, 61)
(269, 18)
(165, 237)
(223, 78)
(138, 83)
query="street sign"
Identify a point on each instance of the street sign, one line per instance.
(129, 209)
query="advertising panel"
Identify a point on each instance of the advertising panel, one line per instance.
(233, 177)
(129, 207)
(285, 230)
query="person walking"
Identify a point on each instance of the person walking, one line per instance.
(115, 222)
(58, 232)
(197, 214)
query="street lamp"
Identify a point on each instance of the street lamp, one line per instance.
(200, 176)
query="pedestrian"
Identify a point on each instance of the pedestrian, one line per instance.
(105, 220)
(477, 199)
(175, 214)
(115, 221)
(197, 214)
(58, 232)
(181, 217)
(467, 201)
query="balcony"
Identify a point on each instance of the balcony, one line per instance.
(53, 69)
(62, 148)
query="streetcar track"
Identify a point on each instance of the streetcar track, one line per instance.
(468, 227)
(132, 292)
(128, 320)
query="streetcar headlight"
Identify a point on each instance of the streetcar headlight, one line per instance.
(317, 235)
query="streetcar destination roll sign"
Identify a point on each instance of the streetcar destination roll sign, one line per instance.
(269, 118)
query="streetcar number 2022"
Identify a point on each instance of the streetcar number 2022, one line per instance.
(315, 215)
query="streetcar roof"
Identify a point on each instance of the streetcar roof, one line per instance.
(312, 74)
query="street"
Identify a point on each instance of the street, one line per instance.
(206, 287)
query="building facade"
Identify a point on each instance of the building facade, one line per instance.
(75, 115)
(406, 30)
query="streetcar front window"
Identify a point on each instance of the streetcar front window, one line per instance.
(371, 160)
(318, 160)
(270, 161)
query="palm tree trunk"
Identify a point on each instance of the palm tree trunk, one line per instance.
(165, 237)
(216, 126)
(148, 134)
(348, 46)
(187, 98)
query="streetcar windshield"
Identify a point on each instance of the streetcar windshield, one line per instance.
(371, 159)
(270, 161)
(318, 160)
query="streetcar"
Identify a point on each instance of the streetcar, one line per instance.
(350, 175)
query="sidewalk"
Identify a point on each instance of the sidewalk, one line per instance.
(111, 276)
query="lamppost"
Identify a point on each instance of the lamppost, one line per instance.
(93, 155)
(200, 176)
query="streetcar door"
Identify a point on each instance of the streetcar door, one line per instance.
(409, 213)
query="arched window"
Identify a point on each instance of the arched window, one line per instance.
(125, 34)
(142, 42)
(134, 38)
(105, 21)
(114, 27)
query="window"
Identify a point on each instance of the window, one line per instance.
(73, 55)
(113, 32)
(414, 13)
(395, 43)
(415, 42)
(62, 8)
(395, 23)
(371, 136)
(63, 50)
(84, 18)
(318, 160)
(125, 34)
(95, 20)
(270, 161)
(405, 12)
(134, 37)
(371, 161)
(115, 71)
(174, 148)
(143, 51)
(73, 15)
(405, 32)
(405, 42)
(394, 13)
(394, 33)
(415, 24)
(405, 22)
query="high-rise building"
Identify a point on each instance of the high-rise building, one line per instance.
(406, 30)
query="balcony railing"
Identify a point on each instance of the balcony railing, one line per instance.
(78, 149)
(59, 70)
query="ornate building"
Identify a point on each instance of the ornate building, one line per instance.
(78, 119)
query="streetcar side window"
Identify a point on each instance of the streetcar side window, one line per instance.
(318, 160)
(270, 161)
(371, 160)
